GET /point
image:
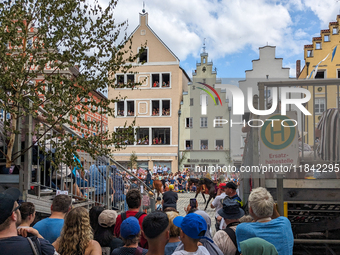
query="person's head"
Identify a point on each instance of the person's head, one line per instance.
(133, 198)
(159, 199)
(130, 231)
(76, 230)
(193, 228)
(9, 209)
(156, 228)
(27, 211)
(103, 233)
(230, 211)
(61, 203)
(230, 189)
(94, 214)
(171, 187)
(174, 230)
(261, 203)
(257, 246)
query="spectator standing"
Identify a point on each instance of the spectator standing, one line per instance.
(50, 228)
(159, 206)
(133, 199)
(27, 211)
(157, 231)
(10, 217)
(257, 246)
(268, 225)
(170, 198)
(217, 203)
(77, 230)
(226, 239)
(193, 228)
(103, 232)
(175, 232)
(130, 232)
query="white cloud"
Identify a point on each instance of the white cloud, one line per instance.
(326, 10)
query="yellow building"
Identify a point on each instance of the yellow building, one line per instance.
(322, 97)
(154, 104)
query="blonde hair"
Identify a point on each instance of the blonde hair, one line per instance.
(76, 233)
(261, 202)
(174, 231)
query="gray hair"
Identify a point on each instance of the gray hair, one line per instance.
(261, 202)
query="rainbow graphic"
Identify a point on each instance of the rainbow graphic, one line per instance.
(209, 93)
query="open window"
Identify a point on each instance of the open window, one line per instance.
(204, 144)
(165, 107)
(130, 108)
(143, 55)
(320, 74)
(124, 136)
(188, 144)
(318, 46)
(309, 53)
(155, 80)
(155, 107)
(120, 108)
(188, 122)
(143, 136)
(130, 78)
(161, 136)
(219, 145)
(120, 80)
(165, 80)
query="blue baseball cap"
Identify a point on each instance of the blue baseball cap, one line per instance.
(129, 228)
(193, 225)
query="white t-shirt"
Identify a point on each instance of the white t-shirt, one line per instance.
(155, 169)
(134, 171)
(200, 251)
(217, 203)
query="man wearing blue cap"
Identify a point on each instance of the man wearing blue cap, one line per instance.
(193, 228)
(10, 218)
(130, 233)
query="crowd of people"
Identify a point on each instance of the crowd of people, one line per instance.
(165, 112)
(100, 231)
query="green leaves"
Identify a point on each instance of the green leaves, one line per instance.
(55, 55)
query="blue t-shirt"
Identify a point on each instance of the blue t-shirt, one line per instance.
(50, 229)
(277, 232)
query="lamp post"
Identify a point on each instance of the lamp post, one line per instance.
(179, 126)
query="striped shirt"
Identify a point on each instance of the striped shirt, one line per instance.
(329, 147)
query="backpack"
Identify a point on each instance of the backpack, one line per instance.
(231, 233)
(35, 245)
(138, 215)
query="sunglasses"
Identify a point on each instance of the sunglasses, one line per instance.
(17, 208)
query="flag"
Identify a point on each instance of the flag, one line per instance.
(333, 53)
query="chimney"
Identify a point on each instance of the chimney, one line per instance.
(298, 68)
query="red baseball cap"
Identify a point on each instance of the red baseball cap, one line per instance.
(222, 185)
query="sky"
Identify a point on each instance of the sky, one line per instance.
(233, 29)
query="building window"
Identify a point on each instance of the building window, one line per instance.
(120, 81)
(219, 145)
(335, 30)
(155, 80)
(318, 46)
(219, 122)
(309, 53)
(319, 105)
(130, 78)
(320, 74)
(204, 144)
(204, 122)
(124, 136)
(120, 108)
(188, 144)
(188, 122)
(326, 38)
(160, 80)
(191, 101)
(338, 73)
(165, 80)
(143, 136)
(164, 105)
(130, 108)
(217, 101)
(143, 55)
(161, 136)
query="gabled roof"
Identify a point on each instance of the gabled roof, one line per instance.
(153, 32)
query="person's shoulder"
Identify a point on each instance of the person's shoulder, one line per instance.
(46, 247)
(202, 250)
(281, 219)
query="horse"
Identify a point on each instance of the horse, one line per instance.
(199, 188)
(211, 187)
(158, 186)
